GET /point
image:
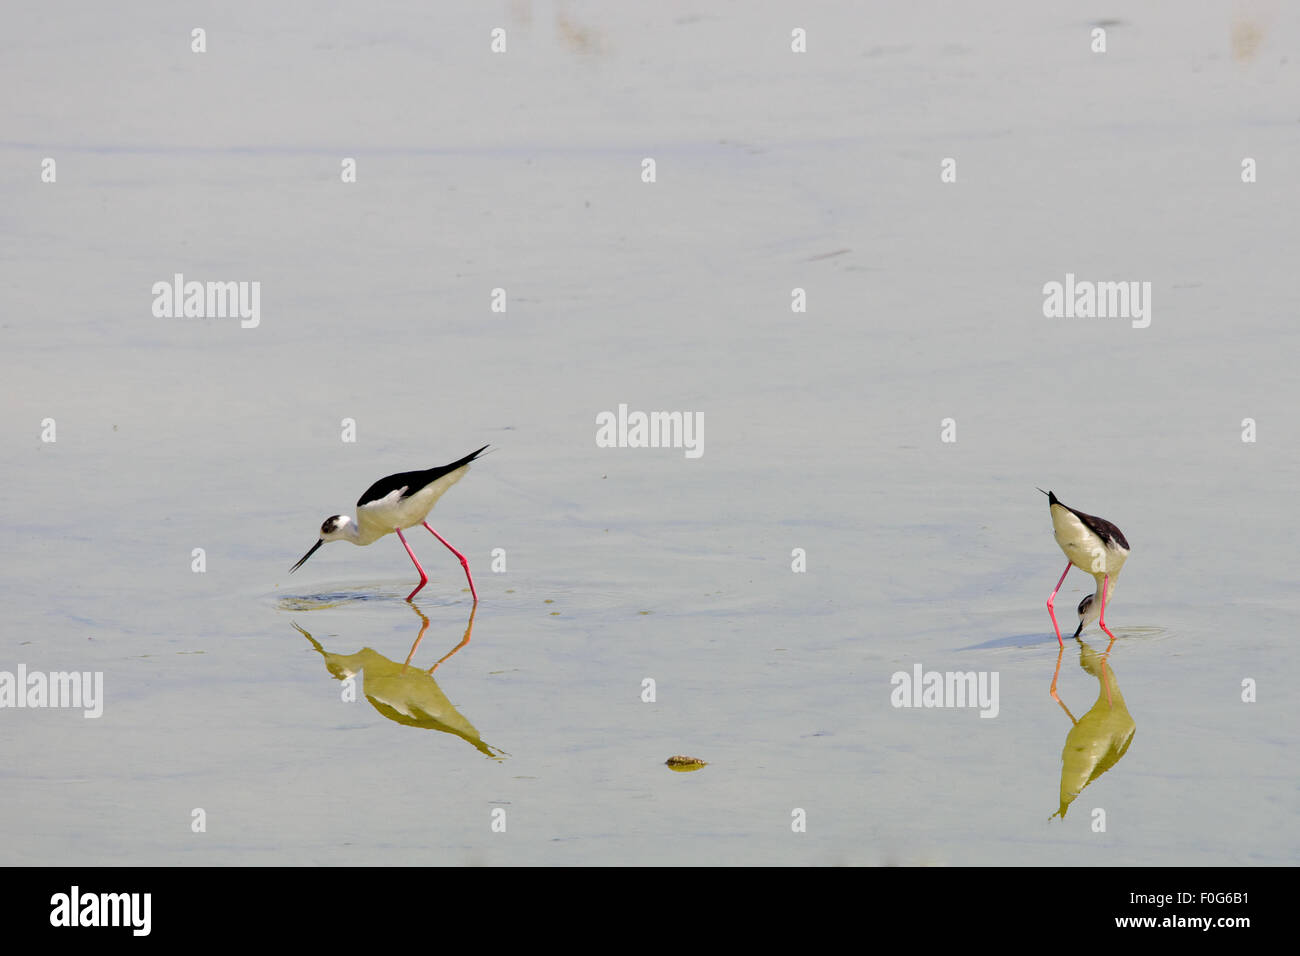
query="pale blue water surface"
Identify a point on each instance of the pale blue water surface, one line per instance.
(522, 171)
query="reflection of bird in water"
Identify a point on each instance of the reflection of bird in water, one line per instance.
(1100, 737)
(405, 694)
(1096, 546)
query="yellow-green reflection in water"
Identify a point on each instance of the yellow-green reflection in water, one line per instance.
(405, 694)
(1099, 738)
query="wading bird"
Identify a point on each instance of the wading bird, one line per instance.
(1096, 546)
(393, 503)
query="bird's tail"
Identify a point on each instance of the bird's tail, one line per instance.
(467, 459)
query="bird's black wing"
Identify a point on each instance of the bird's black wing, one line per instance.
(1099, 526)
(1102, 528)
(410, 482)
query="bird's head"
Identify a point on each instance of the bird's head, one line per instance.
(332, 528)
(1089, 611)
(335, 527)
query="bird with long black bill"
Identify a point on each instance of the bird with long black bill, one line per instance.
(1095, 545)
(393, 503)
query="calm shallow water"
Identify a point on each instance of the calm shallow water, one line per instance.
(822, 433)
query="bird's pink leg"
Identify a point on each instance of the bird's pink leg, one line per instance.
(463, 563)
(1052, 600)
(424, 578)
(1104, 581)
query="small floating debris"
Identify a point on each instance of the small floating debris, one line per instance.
(684, 764)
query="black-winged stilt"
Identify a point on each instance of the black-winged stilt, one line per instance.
(393, 503)
(1096, 546)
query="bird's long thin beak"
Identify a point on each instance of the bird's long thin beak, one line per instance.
(303, 559)
(1076, 633)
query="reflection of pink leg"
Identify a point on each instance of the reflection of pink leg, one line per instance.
(1102, 622)
(463, 641)
(1057, 674)
(1052, 600)
(463, 563)
(418, 638)
(424, 578)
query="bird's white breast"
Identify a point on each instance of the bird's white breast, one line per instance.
(1084, 549)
